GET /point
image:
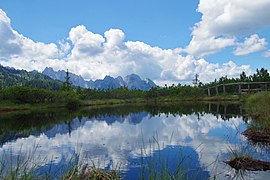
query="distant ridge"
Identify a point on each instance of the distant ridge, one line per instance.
(10, 76)
(132, 81)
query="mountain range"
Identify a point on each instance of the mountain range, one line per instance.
(51, 79)
(132, 81)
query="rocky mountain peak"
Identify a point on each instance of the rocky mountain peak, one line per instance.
(132, 81)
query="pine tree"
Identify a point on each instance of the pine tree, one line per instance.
(67, 84)
(196, 81)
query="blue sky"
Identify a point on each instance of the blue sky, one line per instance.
(157, 23)
(227, 32)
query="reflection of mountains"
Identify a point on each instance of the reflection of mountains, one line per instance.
(108, 135)
(131, 118)
(24, 124)
(68, 127)
(52, 123)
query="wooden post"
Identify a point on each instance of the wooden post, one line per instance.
(239, 89)
(209, 107)
(248, 88)
(209, 92)
(224, 89)
(216, 90)
(225, 110)
(265, 87)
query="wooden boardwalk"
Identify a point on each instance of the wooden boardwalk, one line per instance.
(238, 88)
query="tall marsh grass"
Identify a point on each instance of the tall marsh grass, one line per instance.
(259, 102)
(258, 105)
(30, 166)
(159, 162)
(154, 166)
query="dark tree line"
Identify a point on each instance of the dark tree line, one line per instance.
(261, 75)
(72, 95)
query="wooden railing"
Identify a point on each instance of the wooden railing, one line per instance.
(241, 87)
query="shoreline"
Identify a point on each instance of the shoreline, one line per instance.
(9, 107)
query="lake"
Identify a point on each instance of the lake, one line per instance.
(134, 139)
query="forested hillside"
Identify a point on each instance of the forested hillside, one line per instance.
(11, 77)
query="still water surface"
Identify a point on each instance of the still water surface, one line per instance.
(132, 139)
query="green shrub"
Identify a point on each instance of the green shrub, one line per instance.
(69, 98)
(20, 94)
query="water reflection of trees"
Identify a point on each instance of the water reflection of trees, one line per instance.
(227, 111)
(23, 124)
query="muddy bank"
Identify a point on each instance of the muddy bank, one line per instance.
(257, 135)
(249, 164)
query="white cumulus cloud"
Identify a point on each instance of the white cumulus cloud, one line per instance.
(250, 45)
(223, 21)
(14, 44)
(85, 42)
(266, 54)
(114, 37)
(94, 56)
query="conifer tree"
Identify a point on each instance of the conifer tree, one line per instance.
(67, 84)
